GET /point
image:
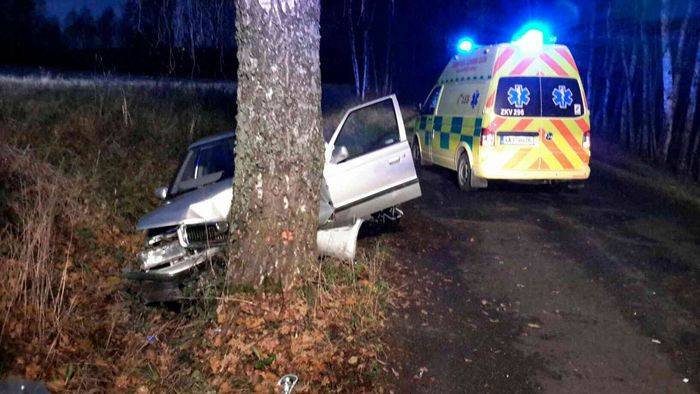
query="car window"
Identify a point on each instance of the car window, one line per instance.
(518, 96)
(539, 96)
(561, 98)
(369, 128)
(431, 102)
(460, 99)
(206, 160)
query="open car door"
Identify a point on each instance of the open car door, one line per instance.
(368, 161)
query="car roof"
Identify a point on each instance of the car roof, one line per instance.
(213, 138)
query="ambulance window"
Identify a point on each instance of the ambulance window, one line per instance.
(561, 98)
(431, 102)
(518, 96)
(369, 128)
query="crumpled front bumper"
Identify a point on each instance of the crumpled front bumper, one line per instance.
(184, 262)
(169, 255)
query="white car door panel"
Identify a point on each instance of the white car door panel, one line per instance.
(379, 172)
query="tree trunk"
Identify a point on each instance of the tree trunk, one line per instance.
(591, 46)
(388, 74)
(645, 129)
(279, 151)
(629, 67)
(695, 156)
(671, 73)
(684, 162)
(353, 48)
(608, 60)
(606, 94)
(365, 63)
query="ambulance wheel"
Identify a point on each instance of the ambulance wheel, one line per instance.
(464, 173)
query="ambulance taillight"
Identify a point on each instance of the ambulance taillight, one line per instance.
(586, 140)
(488, 137)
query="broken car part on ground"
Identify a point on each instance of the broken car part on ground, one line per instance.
(368, 171)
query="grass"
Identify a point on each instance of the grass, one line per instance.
(78, 166)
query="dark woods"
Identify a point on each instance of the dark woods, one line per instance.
(183, 38)
(639, 60)
(642, 78)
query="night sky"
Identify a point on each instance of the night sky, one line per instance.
(60, 8)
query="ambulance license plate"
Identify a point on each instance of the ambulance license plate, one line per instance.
(518, 139)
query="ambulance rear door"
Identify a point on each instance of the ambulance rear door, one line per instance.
(542, 124)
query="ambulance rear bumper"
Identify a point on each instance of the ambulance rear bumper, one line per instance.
(559, 175)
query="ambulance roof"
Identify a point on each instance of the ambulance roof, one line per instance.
(479, 65)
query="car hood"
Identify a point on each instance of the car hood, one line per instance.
(206, 204)
(212, 203)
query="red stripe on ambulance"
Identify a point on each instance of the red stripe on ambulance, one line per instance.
(553, 65)
(502, 59)
(522, 124)
(573, 143)
(554, 149)
(583, 125)
(567, 56)
(523, 65)
(490, 100)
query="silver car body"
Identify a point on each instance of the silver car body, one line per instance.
(191, 227)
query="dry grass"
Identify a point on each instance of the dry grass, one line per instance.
(77, 169)
(43, 203)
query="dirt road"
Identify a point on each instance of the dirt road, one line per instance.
(518, 289)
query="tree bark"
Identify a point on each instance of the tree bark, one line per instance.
(628, 134)
(591, 58)
(671, 73)
(353, 47)
(684, 161)
(365, 63)
(279, 151)
(608, 61)
(388, 74)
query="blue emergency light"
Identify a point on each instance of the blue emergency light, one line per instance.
(465, 45)
(533, 36)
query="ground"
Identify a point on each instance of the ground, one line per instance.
(519, 288)
(509, 289)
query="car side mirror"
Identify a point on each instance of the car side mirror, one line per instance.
(161, 193)
(339, 154)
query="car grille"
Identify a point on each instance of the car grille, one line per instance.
(202, 234)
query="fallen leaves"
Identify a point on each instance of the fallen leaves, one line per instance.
(264, 336)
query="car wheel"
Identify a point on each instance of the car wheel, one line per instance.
(415, 152)
(464, 173)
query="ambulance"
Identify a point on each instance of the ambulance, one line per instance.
(514, 111)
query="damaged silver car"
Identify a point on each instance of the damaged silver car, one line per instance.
(368, 172)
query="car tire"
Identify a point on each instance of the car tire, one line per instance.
(417, 156)
(464, 173)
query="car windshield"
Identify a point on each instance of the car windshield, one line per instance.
(205, 164)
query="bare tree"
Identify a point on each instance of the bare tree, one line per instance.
(671, 72)
(279, 151)
(629, 66)
(685, 162)
(608, 63)
(591, 53)
(388, 64)
(366, 60)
